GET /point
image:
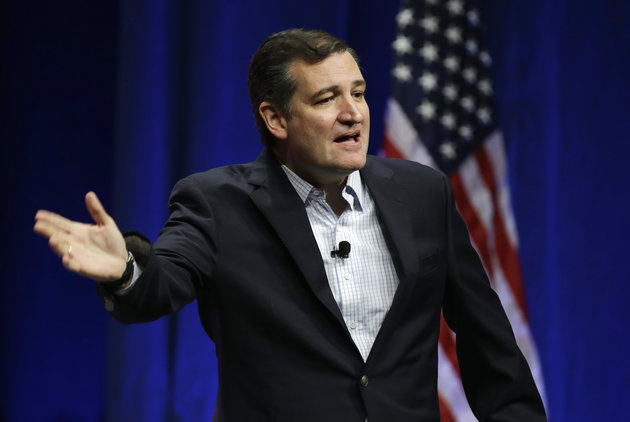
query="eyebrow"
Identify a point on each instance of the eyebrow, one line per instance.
(333, 88)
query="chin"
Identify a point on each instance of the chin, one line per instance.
(352, 165)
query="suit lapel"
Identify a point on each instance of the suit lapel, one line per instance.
(276, 198)
(392, 206)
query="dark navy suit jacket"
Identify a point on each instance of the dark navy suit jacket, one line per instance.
(239, 241)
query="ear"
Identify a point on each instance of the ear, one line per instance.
(274, 120)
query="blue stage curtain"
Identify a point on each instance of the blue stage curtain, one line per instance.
(561, 73)
(127, 97)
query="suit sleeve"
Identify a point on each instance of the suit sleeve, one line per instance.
(177, 265)
(496, 377)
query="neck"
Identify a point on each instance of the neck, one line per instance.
(333, 188)
(334, 197)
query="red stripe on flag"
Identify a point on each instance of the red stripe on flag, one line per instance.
(390, 149)
(445, 413)
(506, 252)
(475, 226)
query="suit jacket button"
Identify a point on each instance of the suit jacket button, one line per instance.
(364, 381)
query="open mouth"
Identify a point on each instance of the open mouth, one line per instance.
(349, 137)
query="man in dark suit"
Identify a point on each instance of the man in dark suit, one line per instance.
(320, 273)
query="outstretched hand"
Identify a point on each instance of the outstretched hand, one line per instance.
(96, 251)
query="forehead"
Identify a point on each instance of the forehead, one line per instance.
(338, 69)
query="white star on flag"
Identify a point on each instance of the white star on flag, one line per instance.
(429, 24)
(448, 121)
(485, 58)
(429, 52)
(453, 34)
(451, 63)
(426, 110)
(428, 81)
(467, 104)
(404, 17)
(470, 75)
(465, 132)
(473, 17)
(448, 150)
(471, 46)
(484, 115)
(450, 92)
(402, 72)
(455, 7)
(485, 87)
(402, 45)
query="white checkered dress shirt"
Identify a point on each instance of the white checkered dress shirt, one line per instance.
(364, 283)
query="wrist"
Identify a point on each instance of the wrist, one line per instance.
(126, 277)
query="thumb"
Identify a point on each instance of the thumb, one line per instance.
(96, 209)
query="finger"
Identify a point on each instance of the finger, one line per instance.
(60, 245)
(48, 229)
(70, 263)
(96, 209)
(44, 229)
(53, 221)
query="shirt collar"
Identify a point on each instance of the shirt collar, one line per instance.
(352, 192)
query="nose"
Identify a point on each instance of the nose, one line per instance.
(351, 111)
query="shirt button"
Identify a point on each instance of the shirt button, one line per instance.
(347, 276)
(352, 325)
(364, 381)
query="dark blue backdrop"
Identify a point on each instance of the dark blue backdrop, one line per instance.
(126, 97)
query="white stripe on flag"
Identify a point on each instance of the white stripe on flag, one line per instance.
(479, 195)
(402, 134)
(495, 148)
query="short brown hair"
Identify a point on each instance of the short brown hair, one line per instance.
(270, 78)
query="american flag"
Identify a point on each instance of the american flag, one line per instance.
(441, 113)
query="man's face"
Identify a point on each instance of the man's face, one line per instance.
(327, 135)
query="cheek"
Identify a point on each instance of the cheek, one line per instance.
(366, 114)
(316, 126)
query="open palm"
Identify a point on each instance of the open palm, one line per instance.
(96, 250)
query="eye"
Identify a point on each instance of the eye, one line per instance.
(358, 94)
(324, 100)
